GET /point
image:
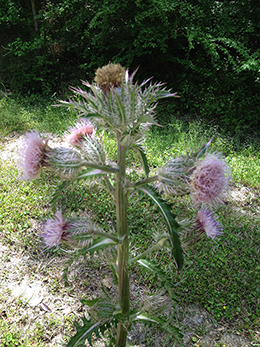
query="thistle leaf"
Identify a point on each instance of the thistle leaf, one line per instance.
(163, 323)
(147, 119)
(143, 158)
(56, 195)
(86, 174)
(121, 108)
(100, 244)
(89, 303)
(157, 274)
(84, 332)
(143, 317)
(169, 217)
(97, 244)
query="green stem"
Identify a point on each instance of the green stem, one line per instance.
(109, 236)
(123, 248)
(146, 181)
(105, 168)
(148, 251)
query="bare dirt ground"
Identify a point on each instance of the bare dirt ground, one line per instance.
(34, 299)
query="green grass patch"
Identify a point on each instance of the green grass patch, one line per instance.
(23, 114)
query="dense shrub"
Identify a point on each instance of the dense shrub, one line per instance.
(207, 50)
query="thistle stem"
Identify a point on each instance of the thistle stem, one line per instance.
(146, 181)
(105, 168)
(148, 251)
(123, 248)
(109, 236)
(96, 232)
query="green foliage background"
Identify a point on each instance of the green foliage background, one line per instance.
(206, 50)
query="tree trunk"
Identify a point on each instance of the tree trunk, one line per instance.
(35, 22)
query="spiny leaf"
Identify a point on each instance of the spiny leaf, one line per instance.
(164, 324)
(89, 302)
(100, 244)
(143, 317)
(169, 218)
(56, 195)
(143, 159)
(121, 108)
(147, 119)
(158, 274)
(84, 332)
(97, 244)
(86, 174)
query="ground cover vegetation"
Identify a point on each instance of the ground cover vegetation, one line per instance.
(208, 51)
(222, 275)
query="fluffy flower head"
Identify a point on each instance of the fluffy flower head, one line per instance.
(210, 180)
(206, 223)
(110, 76)
(55, 230)
(32, 155)
(82, 127)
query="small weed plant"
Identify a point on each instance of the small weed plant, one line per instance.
(117, 106)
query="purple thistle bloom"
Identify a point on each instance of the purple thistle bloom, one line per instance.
(55, 230)
(32, 155)
(206, 223)
(82, 127)
(210, 180)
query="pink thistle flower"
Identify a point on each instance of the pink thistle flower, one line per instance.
(210, 180)
(206, 223)
(55, 230)
(32, 155)
(82, 127)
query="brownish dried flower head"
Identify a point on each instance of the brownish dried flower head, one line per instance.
(110, 76)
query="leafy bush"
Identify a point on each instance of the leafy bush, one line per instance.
(207, 50)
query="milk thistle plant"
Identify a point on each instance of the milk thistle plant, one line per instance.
(125, 109)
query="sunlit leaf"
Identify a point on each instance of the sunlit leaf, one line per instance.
(143, 158)
(172, 225)
(158, 273)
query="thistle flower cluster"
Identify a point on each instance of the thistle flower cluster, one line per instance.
(35, 153)
(127, 112)
(206, 179)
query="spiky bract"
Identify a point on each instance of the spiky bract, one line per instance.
(174, 176)
(82, 128)
(65, 161)
(93, 150)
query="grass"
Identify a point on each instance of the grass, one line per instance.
(23, 114)
(221, 277)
